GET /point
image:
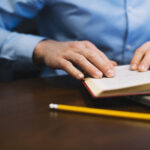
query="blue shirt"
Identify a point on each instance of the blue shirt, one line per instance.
(117, 27)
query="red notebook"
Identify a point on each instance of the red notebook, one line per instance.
(125, 82)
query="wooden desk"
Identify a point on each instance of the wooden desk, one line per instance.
(26, 123)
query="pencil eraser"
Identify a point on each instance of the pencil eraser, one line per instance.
(53, 106)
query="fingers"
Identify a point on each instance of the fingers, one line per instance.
(145, 63)
(99, 59)
(83, 63)
(102, 64)
(141, 58)
(94, 56)
(68, 67)
(114, 63)
(138, 56)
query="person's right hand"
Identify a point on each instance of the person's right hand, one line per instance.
(68, 55)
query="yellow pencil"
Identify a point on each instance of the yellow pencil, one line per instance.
(103, 112)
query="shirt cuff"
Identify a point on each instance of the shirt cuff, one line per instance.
(25, 47)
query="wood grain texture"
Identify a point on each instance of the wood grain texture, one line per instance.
(26, 123)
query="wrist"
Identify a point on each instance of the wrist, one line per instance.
(38, 54)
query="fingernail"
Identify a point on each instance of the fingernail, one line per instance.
(110, 73)
(98, 74)
(80, 76)
(133, 66)
(142, 68)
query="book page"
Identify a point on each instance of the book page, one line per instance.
(124, 78)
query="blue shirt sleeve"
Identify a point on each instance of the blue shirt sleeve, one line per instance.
(16, 46)
(13, 45)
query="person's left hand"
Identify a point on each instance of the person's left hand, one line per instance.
(141, 58)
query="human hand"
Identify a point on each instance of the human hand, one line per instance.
(141, 58)
(68, 55)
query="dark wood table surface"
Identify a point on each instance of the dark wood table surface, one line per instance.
(26, 122)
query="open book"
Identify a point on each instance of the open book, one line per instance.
(125, 82)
